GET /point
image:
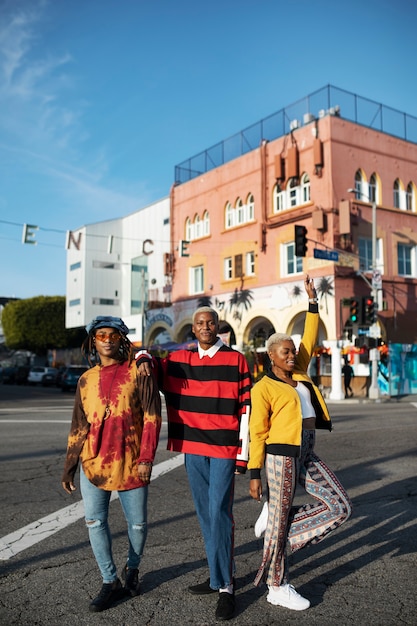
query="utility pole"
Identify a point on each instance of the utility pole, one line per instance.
(373, 393)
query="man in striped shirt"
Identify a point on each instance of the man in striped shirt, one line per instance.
(207, 393)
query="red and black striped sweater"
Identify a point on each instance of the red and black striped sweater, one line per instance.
(208, 402)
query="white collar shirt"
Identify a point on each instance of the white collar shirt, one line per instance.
(211, 351)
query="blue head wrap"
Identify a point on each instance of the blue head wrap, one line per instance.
(107, 321)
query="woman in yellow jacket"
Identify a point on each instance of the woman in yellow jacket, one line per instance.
(286, 409)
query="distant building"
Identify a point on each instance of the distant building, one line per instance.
(341, 168)
(236, 206)
(117, 267)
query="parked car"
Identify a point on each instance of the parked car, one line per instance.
(9, 374)
(42, 376)
(59, 375)
(71, 375)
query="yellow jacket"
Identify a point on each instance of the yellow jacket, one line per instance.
(276, 420)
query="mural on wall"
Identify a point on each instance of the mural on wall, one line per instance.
(325, 290)
(240, 299)
(397, 370)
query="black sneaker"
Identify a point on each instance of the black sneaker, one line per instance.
(202, 589)
(130, 576)
(109, 593)
(225, 606)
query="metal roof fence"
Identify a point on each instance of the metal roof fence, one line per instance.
(328, 100)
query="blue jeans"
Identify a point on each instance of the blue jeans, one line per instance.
(212, 484)
(96, 507)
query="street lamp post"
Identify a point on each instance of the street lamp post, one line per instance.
(373, 389)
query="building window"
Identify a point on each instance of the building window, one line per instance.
(373, 188)
(250, 203)
(250, 264)
(397, 194)
(359, 183)
(206, 224)
(293, 264)
(228, 269)
(279, 199)
(75, 266)
(188, 230)
(106, 265)
(293, 192)
(106, 301)
(305, 188)
(240, 213)
(365, 254)
(409, 197)
(229, 216)
(75, 302)
(196, 279)
(197, 227)
(406, 260)
(238, 266)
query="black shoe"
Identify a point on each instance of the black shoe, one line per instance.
(130, 576)
(225, 606)
(110, 592)
(202, 589)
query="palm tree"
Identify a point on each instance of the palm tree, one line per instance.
(240, 299)
(325, 289)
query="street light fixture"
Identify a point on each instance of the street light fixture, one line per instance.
(373, 389)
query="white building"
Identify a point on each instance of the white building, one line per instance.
(118, 267)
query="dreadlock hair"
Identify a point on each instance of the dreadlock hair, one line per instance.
(89, 350)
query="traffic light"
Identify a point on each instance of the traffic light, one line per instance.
(354, 311)
(184, 247)
(368, 310)
(300, 236)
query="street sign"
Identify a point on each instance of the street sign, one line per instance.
(376, 280)
(329, 255)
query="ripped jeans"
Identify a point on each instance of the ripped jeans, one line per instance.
(96, 506)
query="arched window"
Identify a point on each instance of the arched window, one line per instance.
(373, 188)
(293, 192)
(305, 188)
(229, 216)
(410, 198)
(397, 194)
(197, 227)
(361, 188)
(278, 199)
(188, 230)
(250, 203)
(240, 211)
(206, 224)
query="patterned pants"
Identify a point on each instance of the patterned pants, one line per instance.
(291, 528)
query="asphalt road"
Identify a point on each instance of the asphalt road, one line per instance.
(363, 573)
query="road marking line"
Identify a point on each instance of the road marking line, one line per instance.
(41, 529)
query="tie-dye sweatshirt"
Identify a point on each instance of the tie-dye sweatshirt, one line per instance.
(111, 444)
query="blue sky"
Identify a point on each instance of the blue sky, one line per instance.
(100, 99)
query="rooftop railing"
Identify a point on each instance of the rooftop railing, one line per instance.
(329, 100)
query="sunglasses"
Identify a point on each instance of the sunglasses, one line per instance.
(102, 336)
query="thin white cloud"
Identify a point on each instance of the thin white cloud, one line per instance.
(42, 121)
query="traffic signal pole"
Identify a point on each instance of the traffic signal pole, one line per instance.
(373, 392)
(374, 389)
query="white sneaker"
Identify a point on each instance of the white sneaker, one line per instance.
(286, 595)
(260, 524)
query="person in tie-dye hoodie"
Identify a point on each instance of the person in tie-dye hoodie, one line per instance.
(114, 433)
